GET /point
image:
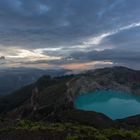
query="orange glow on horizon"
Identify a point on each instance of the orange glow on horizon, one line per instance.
(85, 65)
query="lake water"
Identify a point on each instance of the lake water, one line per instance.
(115, 105)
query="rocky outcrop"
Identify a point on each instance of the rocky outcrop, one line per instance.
(80, 86)
(35, 99)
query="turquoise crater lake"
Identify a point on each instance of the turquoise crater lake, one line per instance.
(113, 104)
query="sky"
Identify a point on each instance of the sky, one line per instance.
(70, 34)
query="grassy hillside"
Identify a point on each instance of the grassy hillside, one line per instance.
(63, 131)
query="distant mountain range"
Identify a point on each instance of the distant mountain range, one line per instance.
(12, 79)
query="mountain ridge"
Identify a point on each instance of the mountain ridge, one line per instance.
(52, 98)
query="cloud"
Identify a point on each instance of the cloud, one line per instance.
(55, 31)
(107, 55)
(39, 23)
(98, 39)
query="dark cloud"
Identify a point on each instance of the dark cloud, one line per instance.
(112, 54)
(67, 24)
(60, 22)
(125, 40)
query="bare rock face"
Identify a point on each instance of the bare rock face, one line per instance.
(79, 86)
(35, 99)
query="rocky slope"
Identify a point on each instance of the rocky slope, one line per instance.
(52, 99)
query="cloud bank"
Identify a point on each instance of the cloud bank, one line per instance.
(61, 33)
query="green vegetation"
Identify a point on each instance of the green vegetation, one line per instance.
(72, 131)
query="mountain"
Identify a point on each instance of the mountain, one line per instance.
(49, 97)
(51, 100)
(13, 79)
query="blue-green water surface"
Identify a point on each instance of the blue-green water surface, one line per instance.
(114, 104)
